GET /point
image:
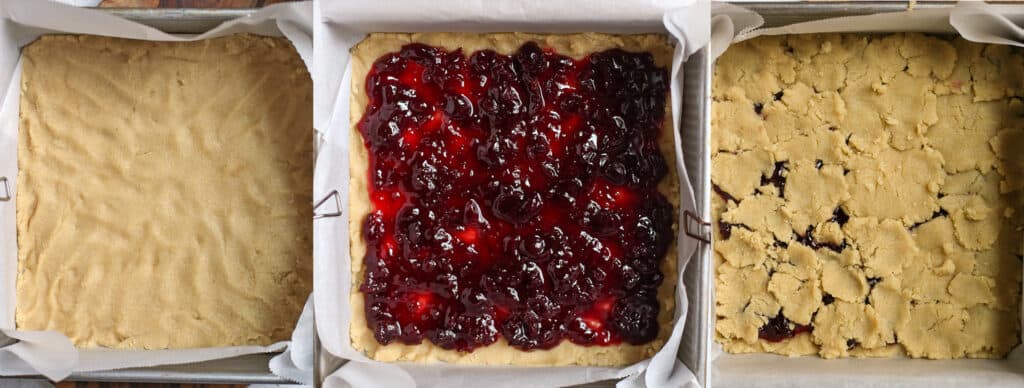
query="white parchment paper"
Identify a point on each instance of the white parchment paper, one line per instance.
(974, 21)
(50, 353)
(339, 26)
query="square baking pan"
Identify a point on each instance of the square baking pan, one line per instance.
(840, 372)
(692, 351)
(249, 369)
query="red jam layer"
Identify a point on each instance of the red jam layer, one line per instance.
(514, 196)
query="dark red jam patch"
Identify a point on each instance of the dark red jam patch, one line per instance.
(514, 196)
(780, 328)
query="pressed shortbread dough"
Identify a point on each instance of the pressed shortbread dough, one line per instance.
(163, 196)
(895, 229)
(499, 353)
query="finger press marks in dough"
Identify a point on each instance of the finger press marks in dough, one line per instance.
(868, 188)
(164, 191)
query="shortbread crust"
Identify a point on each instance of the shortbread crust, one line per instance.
(164, 191)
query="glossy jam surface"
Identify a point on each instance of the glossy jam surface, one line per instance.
(780, 328)
(515, 197)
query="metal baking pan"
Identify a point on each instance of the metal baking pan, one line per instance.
(249, 369)
(692, 349)
(775, 14)
(780, 13)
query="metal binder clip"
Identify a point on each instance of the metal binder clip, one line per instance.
(7, 190)
(337, 202)
(691, 221)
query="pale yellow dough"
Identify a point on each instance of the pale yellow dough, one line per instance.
(164, 191)
(499, 353)
(918, 140)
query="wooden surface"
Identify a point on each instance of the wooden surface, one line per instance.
(188, 3)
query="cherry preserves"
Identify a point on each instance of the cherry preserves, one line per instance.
(514, 196)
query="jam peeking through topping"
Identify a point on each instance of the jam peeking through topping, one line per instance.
(828, 299)
(777, 179)
(808, 240)
(839, 216)
(780, 328)
(514, 197)
(939, 213)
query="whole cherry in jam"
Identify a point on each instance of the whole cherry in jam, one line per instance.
(514, 196)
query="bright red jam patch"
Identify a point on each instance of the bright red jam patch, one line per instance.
(514, 196)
